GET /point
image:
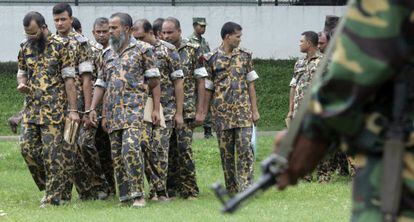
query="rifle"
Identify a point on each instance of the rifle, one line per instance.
(275, 164)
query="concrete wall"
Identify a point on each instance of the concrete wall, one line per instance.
(268, 31)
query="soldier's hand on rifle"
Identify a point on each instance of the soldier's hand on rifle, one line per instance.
(179, 121)
(74, 116)
(23, 88)
(303, 159)
(155, 116)
(93, 117)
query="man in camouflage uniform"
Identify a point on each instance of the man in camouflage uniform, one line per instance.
(101, 34)
(77, 171)
(125, 66)
(303, 70)
(181, 167)
(199, 26)
(234, 106)
(157, 28)
(353, 103)
(46, 76)
(156, 140)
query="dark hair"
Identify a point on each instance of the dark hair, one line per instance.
(229, 28)
(312, 37)
(327, 35)
(100, 21)
(76, 24)
(145, 24)
(61, 8)
(157, 25)
(173, 20)
(125, 18)
(34, 16)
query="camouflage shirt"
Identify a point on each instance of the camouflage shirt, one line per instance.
(205, 48)
(123, 75)
(168, 63)
(229, 78)
(192, 66)
(96, 58)
(83, 60)
(46, 102)
(302, 76)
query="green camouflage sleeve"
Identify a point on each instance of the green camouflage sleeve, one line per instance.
(174, 65)
(67, 57)
(148, 57)
(85, 58)
(199, 71)
(370, 51)
(251, 75)
(209, 82)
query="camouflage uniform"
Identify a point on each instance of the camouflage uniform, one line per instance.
(181, 166)
(156, 140)
(353, 101)
(122, 75)
(77, 171)
(229, 78)
(44, 112)
(303, 72)
(205, 48)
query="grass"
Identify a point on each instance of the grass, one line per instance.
(306, 202)
(272, 92)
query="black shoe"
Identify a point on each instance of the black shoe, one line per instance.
(207, 132)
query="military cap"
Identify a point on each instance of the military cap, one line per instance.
(199, 20)
(331, 21)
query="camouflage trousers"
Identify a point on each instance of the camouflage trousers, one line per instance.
(155, 144)
(237, 158)
(103, 145)
(76, 172)
(90, 156)
(41, 147)
(181, 179)
(367, 186)
(128, 162)
(336, 162)
(207, 122)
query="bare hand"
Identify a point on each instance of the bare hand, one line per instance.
(23, 88)
(155, 116)
(199, 118)
(103, 124)
(87, 124)
(255, 117)
(93, 118)
(74, 116)
(290, 115)
(179, 121)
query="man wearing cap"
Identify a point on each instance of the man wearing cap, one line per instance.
(199, 25)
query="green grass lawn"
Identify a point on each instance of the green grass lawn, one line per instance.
(272, 93)
(19, 197)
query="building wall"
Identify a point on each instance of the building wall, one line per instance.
(270, 32)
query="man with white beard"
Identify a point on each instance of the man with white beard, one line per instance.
(126, 65)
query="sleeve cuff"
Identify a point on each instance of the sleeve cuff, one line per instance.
(292, 82)
(252, 76)
(209, 84)
(200, 73)
(85, 67)
(21, 73)
(100, 83)
(177, 74)
(152, 73)
(68, 72)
